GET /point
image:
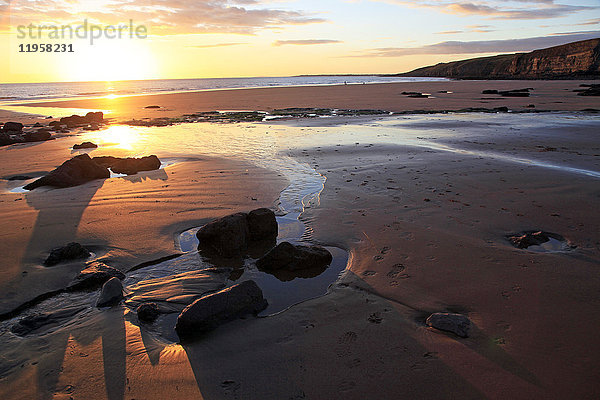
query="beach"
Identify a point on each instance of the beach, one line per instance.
(420, 206)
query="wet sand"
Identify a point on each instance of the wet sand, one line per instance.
(422, 205)
(554, 95)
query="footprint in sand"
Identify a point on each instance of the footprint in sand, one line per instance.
(344, 342)
(396, 270)
(369, 273)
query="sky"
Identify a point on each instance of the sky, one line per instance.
(247, 38)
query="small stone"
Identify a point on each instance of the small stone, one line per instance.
(112, 293)
(455, 323)
(148, 312)
(72, 251)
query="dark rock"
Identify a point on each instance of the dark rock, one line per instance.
(294, 257)
(72, 251)
(455, 323)
(592, 91)
(20, 178)
(152, 107)
(530, 106)
(85, 145)
(95, 275)
(95, 117)
(262, 224)
(111, 294)
(513, 93)
(77, 120)
(490, 91)
(418, 96)
(37, 125)
(148, 312)
(210, 311)
(129, 166)
(73, 172)
(227, 236)
(526, 239)
(12, 127)
(6, 139)
(34, 322)
(38, 136)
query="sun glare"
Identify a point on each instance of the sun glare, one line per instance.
(121, 136)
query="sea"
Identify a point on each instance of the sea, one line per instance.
(18, 92)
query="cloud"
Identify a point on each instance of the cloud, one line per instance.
(161, 16)
(531, 9)
(591, 22)
(481, 47)
(305, 42)
(448, 32)
(205, 46)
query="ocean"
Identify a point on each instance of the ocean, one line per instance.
(18, 92)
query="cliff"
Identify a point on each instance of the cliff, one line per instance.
(569, 61)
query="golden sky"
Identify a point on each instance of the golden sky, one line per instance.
(237, 38)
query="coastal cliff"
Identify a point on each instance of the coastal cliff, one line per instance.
(569, 61)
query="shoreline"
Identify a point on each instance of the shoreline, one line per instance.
(553, 95)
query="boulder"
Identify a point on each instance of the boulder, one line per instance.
(85, 145)
(73, 172)
(231, 236)
(111, 294)
(73, 121)
(6, 139)
(12, 127)
(148, 312)
(72, 251)
(129, 166)
(262, 224)
(95, 275)
(455, 323)
(210, 311)
(94, 117)
(291, 257)
(227, 236)
(40, 135)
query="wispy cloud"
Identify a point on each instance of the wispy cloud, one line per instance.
(305, 42)
(530, 9)
(205, 46)
(591, 22)
(449, 32)
(162, 16)
(481, 47)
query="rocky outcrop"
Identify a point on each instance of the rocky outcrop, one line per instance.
(291, 257)
(85, 145)
(449, 322)
(111, 294)
(72, 251)
(73, 172)
(40, 135)
(77, 120)
(569, 61)
(95, 275)
(15, 127)
(230, 236)
(208, 312)
(129, 166)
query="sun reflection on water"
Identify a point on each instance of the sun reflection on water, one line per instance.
(120, 136)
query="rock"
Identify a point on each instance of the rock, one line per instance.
(592, 91)
(6, 139)
(523, 241)
(294, 257)
(12, 127)
(514, 93)
(227, 236)
(262, 224)
(490, 91)
(95, 117)
(112, 293)
(73, 172)
(38, 136)
(20, 178)
(85, 145)
(34, 322)
(455, 323)
(150, 107)
(129, 166)
(95, 275)
(148, 312)
(210, 311)
(72, 251)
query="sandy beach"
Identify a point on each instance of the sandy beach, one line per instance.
(421, 204)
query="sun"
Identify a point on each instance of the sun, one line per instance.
(111, 60)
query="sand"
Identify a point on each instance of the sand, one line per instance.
(422, 205)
